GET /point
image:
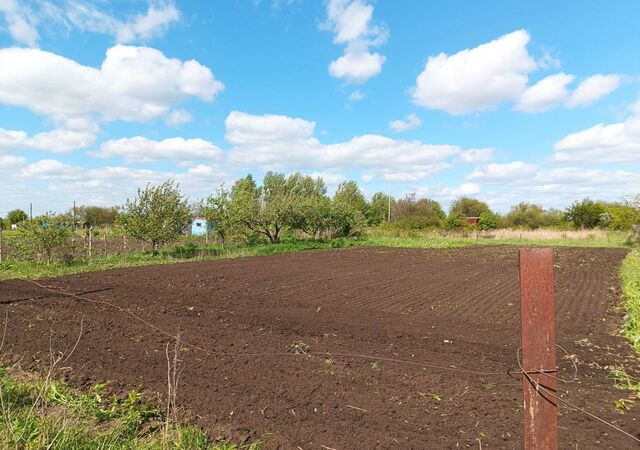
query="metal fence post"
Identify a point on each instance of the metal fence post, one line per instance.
(538, 348)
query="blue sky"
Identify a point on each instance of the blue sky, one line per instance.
(501, 101)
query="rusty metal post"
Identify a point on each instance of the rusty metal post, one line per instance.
(538, 348)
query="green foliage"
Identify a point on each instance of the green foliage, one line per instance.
(526, 215)
(379, 208)
(585, 214)
(96, 216)
(488, 221)
(456, 221)
(17, 216)
(42, 236)
(412, 214)
(468, 207)
(158, 214)
(348, 210)
(630, 274)
(312, 211)
(39, 415)
(622, 216)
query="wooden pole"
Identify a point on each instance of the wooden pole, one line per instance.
(1, 230)
(538, 349)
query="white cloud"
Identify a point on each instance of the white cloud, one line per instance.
(592, 89)
(476, 79)
(476, 155)
(140, 149)
(465, 189)
(58, 141)
(277, 142)
(20, 22)
(50, 169)
(178, 117)
(411, 121)
(545, 94)
(357, 96)
(614, 143)
(357, 67)
(8, 162)
(23, 19)
(133, 83)
(498, 173)
(635, 108)
(146, 26)
(351, 23)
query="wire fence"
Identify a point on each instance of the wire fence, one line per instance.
(513, 372)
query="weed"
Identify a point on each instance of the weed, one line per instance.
(300, 348)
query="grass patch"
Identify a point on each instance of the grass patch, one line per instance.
(630, 274)
(189, 251)
(39, 414)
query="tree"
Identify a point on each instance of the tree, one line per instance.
(17, 216)
(526, 215)
(488, 221)
(43, 235)
(469, 207)
(348, 210)
(418, 214)
(157, 215)
(379, 208)
(585, 213)
(312, 207)
(216, 211)
(96, 216)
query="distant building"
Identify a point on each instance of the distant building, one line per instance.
(473, 220)
(200, 226)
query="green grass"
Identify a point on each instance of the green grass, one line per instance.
(37, 414)
(630, 274)
(188, 251)
(177, 254)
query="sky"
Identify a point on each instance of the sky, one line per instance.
(504, 101)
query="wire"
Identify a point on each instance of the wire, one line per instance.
(540, 387)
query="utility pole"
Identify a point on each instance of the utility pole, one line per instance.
(30, 211)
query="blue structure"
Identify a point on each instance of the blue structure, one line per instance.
(200, 226)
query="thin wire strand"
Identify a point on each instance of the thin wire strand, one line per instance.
(540, 387)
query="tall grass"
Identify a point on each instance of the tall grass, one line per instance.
(630, 274)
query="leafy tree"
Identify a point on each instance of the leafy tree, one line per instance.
(585, 213)
(96, 216)
(488, 221)
(43, 235)
(17, 216)
(456, 221)
(621, 216)
(469, 207)
(379, 208)
(526, 215)
(348, 210)
(418, 214)
(216, 211)
(312, 207)
(264, 210)
(157, 215)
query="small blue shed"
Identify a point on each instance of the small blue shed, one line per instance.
(200, 226)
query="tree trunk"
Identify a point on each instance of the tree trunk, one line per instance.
(154, 247)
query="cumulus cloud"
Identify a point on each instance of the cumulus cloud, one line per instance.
(410, 122)
(546, 94)
(592, 89)
(476, 155)
(8, 162)
(57, 141)
(23, 19)
(614, 143)
(351, 24)
(275, 141)
(133, 83)
(141, 150)
(498, 173)
(476, 79)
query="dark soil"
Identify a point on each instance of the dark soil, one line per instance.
(455, 308)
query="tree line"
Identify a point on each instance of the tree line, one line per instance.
(299, 205)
